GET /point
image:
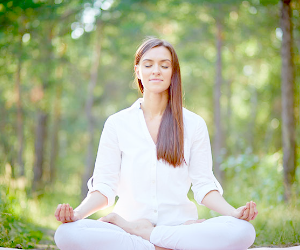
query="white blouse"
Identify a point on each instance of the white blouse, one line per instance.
(127, 167)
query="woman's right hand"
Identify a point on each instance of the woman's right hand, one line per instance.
(65, 213)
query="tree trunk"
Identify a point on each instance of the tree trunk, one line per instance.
(8, 151)
(90, 119)
(218, 138)
(287, 90)
(228, 116)
(253, 114)
(40, 172)
(54, 137)
(19, 112)
(40, 137)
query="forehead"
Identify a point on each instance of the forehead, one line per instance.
(157, 53)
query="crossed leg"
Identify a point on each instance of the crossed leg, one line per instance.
(220, 233)
(89, 234)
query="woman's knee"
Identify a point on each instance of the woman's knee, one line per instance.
(244, 235)
(65, 235)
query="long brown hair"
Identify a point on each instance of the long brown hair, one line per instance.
(170, 139)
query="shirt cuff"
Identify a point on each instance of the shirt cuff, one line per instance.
(206, 189)
(103, 189)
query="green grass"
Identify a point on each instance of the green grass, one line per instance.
(278, 225)
(261, 180)
(14, 229)
(26, 220)
(275, 225)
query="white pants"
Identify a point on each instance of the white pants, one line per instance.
(219, 233)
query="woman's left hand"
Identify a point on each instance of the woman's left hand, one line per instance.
(247, 212)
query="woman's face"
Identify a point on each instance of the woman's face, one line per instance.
(155, 70)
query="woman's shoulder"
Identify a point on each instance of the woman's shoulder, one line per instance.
(190, 117)
(194, 124)
(123, 115)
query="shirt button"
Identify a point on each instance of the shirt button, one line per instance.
(153, 181)
(155, 211)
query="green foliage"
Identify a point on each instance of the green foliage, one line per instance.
(252, 177)
(259, 178)
(15, 229)
(40, 36)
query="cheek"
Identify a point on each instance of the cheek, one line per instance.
(170, 75)
(144, 73)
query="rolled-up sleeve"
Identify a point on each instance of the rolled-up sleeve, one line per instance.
(107, 167)
(200, 166)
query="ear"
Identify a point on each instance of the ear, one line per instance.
(137, 71)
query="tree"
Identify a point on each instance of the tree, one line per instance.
(287, 89)
(218, 138)
(88, 108)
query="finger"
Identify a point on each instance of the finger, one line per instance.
(62, 214)
(251, 211)
(104, 219)
(107, 218)
(245, 215)
(57, 211)
(110, 218)
(241, 211)
(72, 214)
(255, 213)
(246, 212)
(252, 217)
(68, 219)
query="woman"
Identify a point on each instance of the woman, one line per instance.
(149, 155)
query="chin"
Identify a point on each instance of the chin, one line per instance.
(158, 91)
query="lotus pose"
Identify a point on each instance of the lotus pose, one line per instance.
(149, 155)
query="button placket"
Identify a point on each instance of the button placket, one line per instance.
(153, 188)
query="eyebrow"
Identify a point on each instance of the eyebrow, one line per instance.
(152, 60)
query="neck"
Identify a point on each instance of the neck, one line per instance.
(154, 105)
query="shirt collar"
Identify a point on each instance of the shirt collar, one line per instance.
(137, 103)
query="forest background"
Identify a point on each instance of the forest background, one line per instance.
(65, 66)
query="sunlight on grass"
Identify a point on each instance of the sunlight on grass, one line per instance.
(248, 178)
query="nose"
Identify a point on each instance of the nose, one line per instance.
(156, 69)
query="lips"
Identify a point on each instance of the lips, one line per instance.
(155, 80)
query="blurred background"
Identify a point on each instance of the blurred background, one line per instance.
(65, 66)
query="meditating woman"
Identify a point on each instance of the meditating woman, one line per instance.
(149, 155)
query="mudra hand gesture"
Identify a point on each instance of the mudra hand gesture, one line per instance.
(247, 212)
(65, 213)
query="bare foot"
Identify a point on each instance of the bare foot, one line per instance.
(141, 227)
(189, 222)
(161, 248)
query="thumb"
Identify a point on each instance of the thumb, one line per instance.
(104, 219)
(240, 211)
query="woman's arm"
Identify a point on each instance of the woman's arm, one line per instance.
(214, 201)
(91, 204)
(206, 188)
(103, 185)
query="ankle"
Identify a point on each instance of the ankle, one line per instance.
(144, 232)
